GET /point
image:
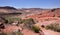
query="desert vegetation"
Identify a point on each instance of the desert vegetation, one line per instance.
(36, 29)
(17, 33)
(29, 22)
(10, 19)
(11, 33)
(54, 27)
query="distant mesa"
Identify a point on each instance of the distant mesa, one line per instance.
(55, 9)
(8, 7)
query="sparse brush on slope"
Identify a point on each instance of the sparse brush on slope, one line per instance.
(13, 19)
(54, 27)
(17, 33)
(29, 23)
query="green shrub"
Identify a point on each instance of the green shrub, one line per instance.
(17, 33)
(36, 29)
(10, 19)
(30, 20)
(29, 23)
(54, 27)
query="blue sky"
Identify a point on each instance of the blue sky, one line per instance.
(31, 3)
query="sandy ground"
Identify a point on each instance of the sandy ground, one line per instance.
(11, 28)
(50, 32)
(29, 32)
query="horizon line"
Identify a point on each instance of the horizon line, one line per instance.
(32, 7)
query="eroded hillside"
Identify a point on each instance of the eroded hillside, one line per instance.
(29, 21)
